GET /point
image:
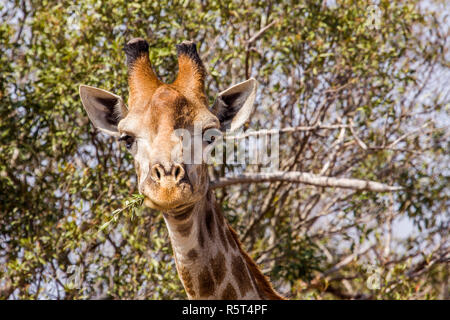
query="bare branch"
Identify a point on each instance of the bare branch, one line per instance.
(345, 261)
(259, 33)
(409, 134)
(288, 129)
(334, 151)
(305, 178)
(358, 140)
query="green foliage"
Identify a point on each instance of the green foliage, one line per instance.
(300, 260)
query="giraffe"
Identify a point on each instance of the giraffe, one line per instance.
(209, 257)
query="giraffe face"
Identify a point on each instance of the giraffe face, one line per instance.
(150, 132)
(156, 112)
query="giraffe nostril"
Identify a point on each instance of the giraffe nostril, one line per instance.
(178, 172)
(156, 174)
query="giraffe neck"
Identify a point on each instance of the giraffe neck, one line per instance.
(210, 261)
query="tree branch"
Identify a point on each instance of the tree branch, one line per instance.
(285, 130)
(259, 33)
(305, 178)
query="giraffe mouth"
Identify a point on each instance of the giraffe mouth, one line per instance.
(173, 198)
(180, 211)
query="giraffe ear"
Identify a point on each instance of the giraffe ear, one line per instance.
(104, 108)
(234, 106)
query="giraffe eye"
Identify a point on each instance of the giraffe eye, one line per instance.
(210, 135)
(129, 140)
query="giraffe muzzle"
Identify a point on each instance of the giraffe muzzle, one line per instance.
(167, 187)
(171, 177)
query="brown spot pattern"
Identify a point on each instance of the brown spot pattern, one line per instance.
(239, 271)
(229, 293)
(263, 285)
(201, 239)
(192, 254)
(206, 283)
(185, 229)
(218, 267)
(210, 222)
(221, 227)
(187, 281)
(219, 213)
(222, 239)
(231, 240)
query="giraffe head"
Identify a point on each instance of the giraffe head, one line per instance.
(155, 114)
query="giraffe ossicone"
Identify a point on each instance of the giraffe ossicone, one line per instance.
(209, 257)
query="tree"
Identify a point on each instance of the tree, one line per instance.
(360, 91)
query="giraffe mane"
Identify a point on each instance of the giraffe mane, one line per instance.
(263, 284)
